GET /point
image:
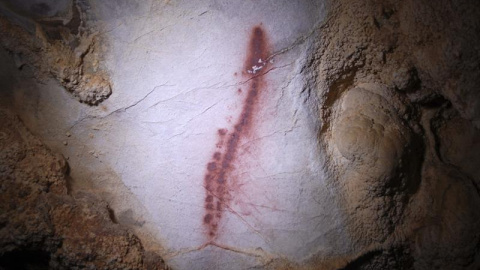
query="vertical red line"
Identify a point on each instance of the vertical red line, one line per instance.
(218, 177)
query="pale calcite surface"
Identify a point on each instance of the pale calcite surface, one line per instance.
(362, 152)
(175, 70)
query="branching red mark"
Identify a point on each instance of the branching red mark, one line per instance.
(218, 178)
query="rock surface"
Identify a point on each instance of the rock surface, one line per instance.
(42, 226)
(396, 81)
(352, 142)
(64, 46)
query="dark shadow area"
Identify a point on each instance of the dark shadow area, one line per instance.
(25, 260)
(399, 259)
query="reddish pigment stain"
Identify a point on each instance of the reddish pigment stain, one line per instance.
(219, 187)
(212, 166)
(207, 218)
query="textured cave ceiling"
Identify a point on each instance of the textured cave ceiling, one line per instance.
(239, 134)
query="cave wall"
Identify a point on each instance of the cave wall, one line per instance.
(395, 77)
(362, 151)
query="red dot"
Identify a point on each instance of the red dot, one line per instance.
(207, 218)
(212, 166)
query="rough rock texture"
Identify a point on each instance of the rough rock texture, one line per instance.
(398, 87)
(399, 111)
(41, 226)
(62, 47)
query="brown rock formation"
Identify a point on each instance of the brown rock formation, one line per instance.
(69, 52)
(397, 89)
(397, 82)
(42, 226)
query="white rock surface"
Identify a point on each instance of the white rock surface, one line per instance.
(176, 70)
